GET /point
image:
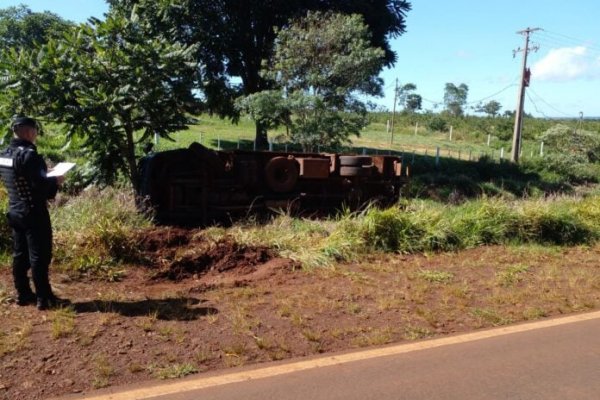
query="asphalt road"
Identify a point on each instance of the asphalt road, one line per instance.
(560, 360)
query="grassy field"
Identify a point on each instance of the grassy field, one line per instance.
(467, 137)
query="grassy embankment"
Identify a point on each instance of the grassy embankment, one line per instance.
(93, 229)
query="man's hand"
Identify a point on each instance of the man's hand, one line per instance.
(60, 180)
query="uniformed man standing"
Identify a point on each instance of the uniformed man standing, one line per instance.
(23, 172)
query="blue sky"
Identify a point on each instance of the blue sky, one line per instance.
(472, 42)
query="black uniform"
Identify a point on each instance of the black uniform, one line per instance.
(23, 172)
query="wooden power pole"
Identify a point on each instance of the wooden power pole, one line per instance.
(394, 112)
(525, 75)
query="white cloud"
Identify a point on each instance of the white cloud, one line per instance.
(566, 64)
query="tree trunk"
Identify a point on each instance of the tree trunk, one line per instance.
(262, 141)
(129, 154)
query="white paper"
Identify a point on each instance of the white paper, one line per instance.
(60, 169)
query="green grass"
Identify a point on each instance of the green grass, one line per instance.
(425, 226)
(173, 371)
(94, 232)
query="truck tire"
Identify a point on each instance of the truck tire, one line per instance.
(355, 161)
(355, 171)
(281, 174)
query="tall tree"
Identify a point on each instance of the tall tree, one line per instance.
(321, 63)
(490, 108)
(455, 98)
(408, 99)
(22, 28)
(106, 82)
(236, 36)
(403, 92)
(414, 102)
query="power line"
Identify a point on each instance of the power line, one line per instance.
(550, 105)
(439, 102)
(492, 95)
(535, 106)
(559, 37)
(589, 53)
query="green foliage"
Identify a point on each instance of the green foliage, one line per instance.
(390, 230)
(267, 108)
(437, 123)
(455, 98)
(94, 233)
(321, 63)
(105, 82)
(414, 102)
(577, 143)
(5, 230)
(555, 223)
(20, 28)
(233, 41)
(491, 108)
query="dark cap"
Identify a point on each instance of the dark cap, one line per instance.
(24, 121)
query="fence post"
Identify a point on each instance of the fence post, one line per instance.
(413, 157)
(286, 147)
(387, 128)
(155, 138)
(470, 151)
(451, 129)
(416, 128)
(238, 143)
(270, 146)
(542, 149)
(489, 139)
(254, 147)
(437, 156)
(318, 148)
(364, 151)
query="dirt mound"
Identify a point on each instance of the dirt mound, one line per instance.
(177, 254)
(155, 239)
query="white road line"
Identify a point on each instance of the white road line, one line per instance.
(326, 361)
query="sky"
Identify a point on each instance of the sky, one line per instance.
(472, 42)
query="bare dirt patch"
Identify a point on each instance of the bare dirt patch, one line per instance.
(176, 254)
(199, 305)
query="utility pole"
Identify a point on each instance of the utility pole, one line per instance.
(525, 76)
(394, 112)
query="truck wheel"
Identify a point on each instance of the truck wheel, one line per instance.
(355, 161)
(281, 174)
(355, 171)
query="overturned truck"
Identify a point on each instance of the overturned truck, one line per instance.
(199, 186)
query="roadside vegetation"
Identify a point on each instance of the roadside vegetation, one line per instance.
(455, 205)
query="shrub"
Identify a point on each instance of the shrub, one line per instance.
(437, 124)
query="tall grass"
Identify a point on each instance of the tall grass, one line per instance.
(425, 226)
(93, 232)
